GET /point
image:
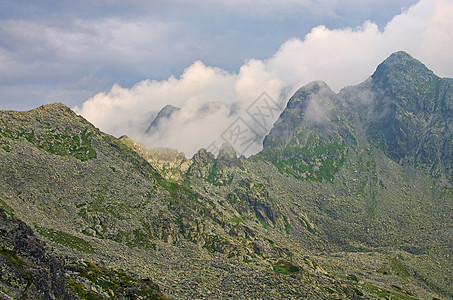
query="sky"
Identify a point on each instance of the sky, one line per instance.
(117, 63)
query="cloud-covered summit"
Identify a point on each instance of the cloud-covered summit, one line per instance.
(340, 57)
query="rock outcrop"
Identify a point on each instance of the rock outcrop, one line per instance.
(27, 271)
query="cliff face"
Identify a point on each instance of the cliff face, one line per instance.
(311, 136)
(164, 114)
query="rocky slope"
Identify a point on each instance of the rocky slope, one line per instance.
(28, 271)
(332, 208)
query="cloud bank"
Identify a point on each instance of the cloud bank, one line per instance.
(212, 99)
(68, 51)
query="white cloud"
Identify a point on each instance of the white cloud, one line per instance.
(340, 57)
(129, 111)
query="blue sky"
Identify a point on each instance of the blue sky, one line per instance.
(70, 50)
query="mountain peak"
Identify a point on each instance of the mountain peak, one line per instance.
(401, 65)
(316, 84)
(226, 150)
(303, 109)
(401, 55)
(53, 108)
(227, 156)
(164, 113)
(168, 110)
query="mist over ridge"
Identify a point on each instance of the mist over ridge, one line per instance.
(212, 99)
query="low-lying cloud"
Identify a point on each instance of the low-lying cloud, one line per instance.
(212, 99)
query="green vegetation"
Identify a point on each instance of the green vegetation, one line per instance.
(383, 293)
(100, 203)
(21, 266)
(7, 208)
(287, 225)
(398, 268)
(109, 282)
(212, 243)
(65, 239)
(212, 177)
(261, 220)
(52, 141)
(285, 267)
(318, 161)
(137, 238)
(343, 199)
(5, 146)
(236, 220)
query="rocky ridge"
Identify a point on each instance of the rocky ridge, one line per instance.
(324, 211)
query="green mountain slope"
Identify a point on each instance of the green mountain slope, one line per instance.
(339, 204)
(312, 136)
(382, 151)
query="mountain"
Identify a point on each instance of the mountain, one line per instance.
(311, 137)
(164, 114)
(339, 204)
(412, 114)
(170, 163)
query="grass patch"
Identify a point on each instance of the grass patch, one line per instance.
(8, 210)
(211, 178)
(285, 267)
(384, 270)
(53, 142)
(382, 293)
(398, 268)
(287, 225)
(11, 255)
(236, 220)
(20, 265)
(261, 220)
(115, 283)
(318, 161)
(65, 239)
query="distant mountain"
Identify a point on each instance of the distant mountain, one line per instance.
(350, 198)
(164, 114)
(312, 136)
(404, 109)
